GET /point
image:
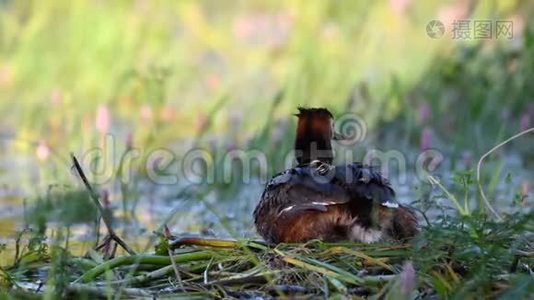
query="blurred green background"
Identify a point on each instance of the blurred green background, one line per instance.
(228, 74)
(161, 67)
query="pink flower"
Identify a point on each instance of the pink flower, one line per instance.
(42, 151)
(146, 113)
(263, 29)
(129, 141)
(519, 24)
(455, 11)
(102, 121)
(407, 278)
(201, 122)
(423, 112)
(524, 122)
(105, 198)
(55, 97)
(230, 149)
(426, 139)
(213, 81)
(399, 6)
(167, 113)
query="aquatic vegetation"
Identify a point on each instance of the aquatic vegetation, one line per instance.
(134, 88)
(460, 255)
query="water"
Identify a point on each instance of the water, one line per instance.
(202, 210)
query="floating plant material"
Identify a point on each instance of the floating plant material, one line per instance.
(455, 257)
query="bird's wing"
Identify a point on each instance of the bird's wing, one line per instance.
(302, 189)
(365, 182)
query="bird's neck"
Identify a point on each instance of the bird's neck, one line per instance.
(312, 143)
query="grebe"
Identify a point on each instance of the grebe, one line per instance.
(316, 200)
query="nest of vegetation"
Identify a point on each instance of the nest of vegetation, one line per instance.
(465, 257)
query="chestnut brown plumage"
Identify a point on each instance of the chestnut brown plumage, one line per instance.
(314, 132)
(316, 200)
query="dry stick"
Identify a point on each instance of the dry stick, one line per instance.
(104, 216)
(167, 234)
(488, 205)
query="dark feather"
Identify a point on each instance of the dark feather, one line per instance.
(310, 112)
(303, 185)
(366, 183)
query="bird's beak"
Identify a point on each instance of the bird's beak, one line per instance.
(338, 136)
